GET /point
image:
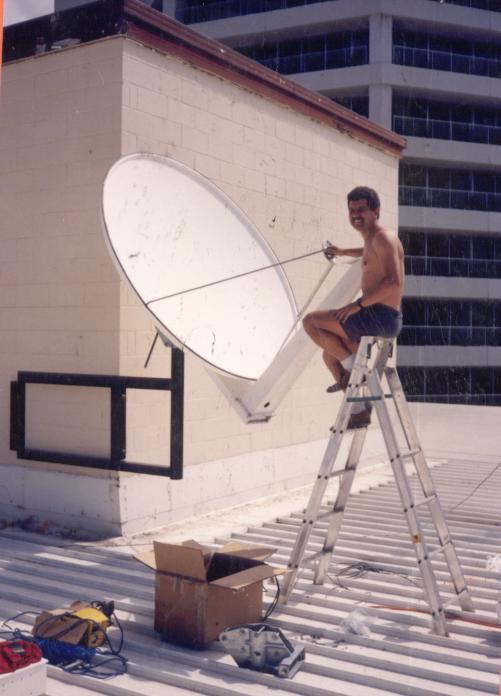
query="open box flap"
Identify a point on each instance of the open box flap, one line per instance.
(147, 558)
(238, 548)
(238, 581)
(192, 544)
(186, 561)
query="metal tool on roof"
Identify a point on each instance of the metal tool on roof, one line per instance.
(366, 376)
(263, 648)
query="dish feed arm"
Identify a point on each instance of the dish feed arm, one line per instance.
(256, 401)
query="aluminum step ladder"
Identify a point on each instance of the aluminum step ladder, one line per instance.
(366, 385)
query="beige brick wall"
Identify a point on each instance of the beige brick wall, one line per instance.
(290, 175)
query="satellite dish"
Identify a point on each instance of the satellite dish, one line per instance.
(170, 230)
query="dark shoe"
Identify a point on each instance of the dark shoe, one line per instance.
(360, 420)
(341, 385)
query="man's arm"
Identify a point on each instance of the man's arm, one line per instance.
(386, 250)
(338, 251)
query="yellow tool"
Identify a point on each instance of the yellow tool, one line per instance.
(79, 624)
(97, 622)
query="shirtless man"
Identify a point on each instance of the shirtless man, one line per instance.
(376, 312)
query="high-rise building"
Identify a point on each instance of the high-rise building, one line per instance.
(431, 71)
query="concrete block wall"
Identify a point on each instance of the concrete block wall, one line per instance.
(68, 117)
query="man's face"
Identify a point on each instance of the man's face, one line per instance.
(361, 216)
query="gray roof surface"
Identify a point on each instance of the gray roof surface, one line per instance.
(399, 656)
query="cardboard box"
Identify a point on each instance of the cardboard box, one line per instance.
(199, 593)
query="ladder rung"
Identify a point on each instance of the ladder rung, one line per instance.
(439, 549)
(339, 472)
(426, 501)
(369, 398)
(450, 601)
(313, 557)
(410, 453)
(330, 513)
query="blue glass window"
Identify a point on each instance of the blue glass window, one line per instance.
(423, 118)
(453, 54)
(456, 385)
(312, 53)
(190, 11)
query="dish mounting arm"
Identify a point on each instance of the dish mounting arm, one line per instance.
(256, 401)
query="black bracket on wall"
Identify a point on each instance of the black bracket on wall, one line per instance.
(118, 386)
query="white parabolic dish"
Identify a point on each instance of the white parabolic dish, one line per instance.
(169, 230)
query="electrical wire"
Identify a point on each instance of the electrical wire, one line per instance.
(238, 275)
(357, 570)
(476, 488)
(274, 603)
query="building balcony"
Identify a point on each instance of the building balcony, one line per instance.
(316, 60)
(444, 219)
(447, 153)
(486, 359)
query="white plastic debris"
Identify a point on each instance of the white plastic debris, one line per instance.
(494, 563)
(357, 622)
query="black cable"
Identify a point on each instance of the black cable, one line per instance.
(274, 603)
(357, 570)
(17, 616)
(476, 488)
(92, 670)
(238, 275)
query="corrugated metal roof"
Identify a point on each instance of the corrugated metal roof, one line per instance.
(399, 656)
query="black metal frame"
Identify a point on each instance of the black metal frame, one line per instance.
(118, 386)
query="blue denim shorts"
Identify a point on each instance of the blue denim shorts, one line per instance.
(375, 320)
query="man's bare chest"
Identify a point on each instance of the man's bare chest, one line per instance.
(369, 258)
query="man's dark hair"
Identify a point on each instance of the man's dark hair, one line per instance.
(364, 193)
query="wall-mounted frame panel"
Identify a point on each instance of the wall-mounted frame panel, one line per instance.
(118, 386)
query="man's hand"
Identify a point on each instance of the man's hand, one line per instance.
(333, 250)
(343, 313)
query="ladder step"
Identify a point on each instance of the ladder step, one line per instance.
(369, 398)
(339, 472)
(456, 597)
(313, 557)
(426, 501)
(410, 453)
(450, 601)
(438, 550)
(330, 513)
